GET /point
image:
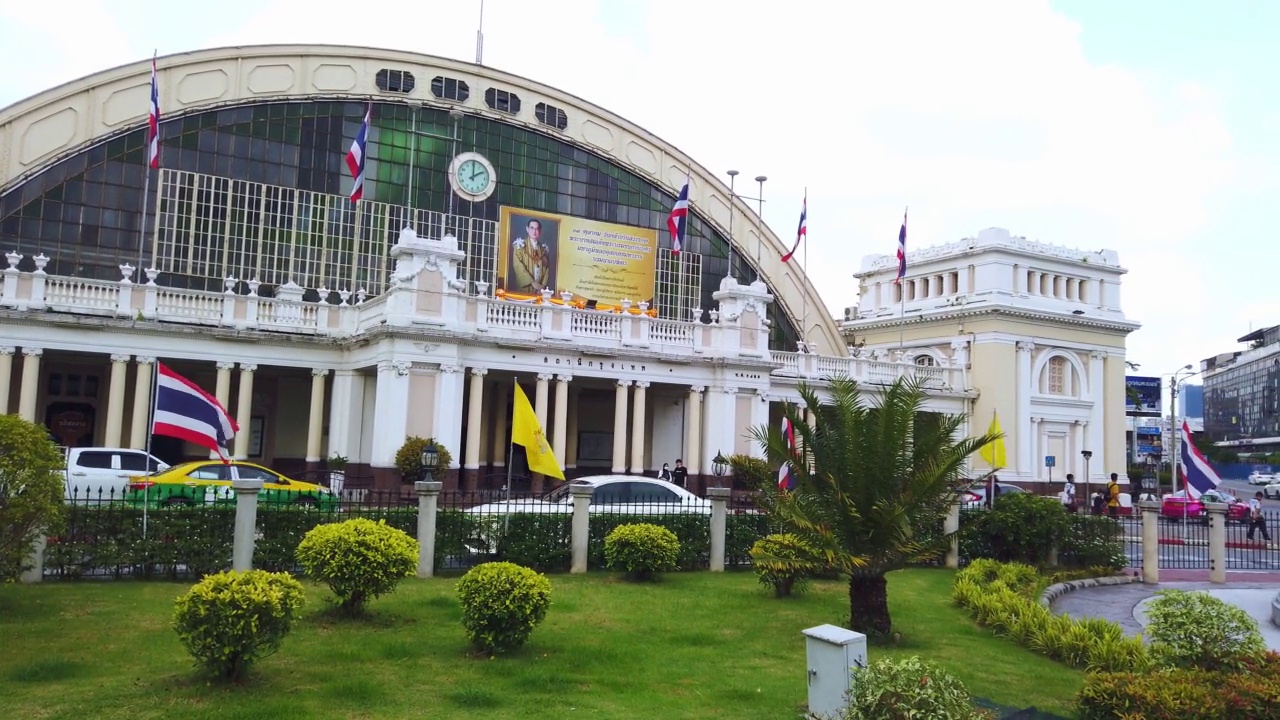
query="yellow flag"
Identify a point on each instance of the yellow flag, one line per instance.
(992, 452)
(526, 431)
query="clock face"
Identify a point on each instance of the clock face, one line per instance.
(473, 177)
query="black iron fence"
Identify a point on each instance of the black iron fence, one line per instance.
(1253, 545)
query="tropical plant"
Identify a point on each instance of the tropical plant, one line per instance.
(338, 462)
(31, 491)
(875, 477)
(901, 689)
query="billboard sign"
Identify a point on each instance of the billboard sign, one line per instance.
(1142, 395)
(593, 260)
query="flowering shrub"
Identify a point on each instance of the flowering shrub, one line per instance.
(229, 620)
(501, 604)
(906, 689)
(359, 560)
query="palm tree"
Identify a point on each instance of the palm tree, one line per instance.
(875, 476)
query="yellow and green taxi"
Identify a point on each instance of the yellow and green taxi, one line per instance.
(209, 481)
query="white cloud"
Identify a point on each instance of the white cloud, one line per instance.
(974, 114)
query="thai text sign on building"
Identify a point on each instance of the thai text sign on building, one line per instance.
(593, 260)
(1142, 395)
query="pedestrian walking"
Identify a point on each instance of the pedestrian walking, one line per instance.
(1069, 492)
(1113, 496)
(1256, 520)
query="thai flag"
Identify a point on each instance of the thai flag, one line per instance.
(356, 155)
(676, 220)
(153, 122)
(787, 474)
(185, 411)
(803, 232)
(1198, 475)
(902, 250)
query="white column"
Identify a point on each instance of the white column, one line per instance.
(540, 398)
(315, 421)
(445, 424)
(391, 413)
(693, 430)
(571, 443)
(116, 400)
(759, 418)
(720, 424)
(140, 431)
(1023, 422)
(244, 410)
(345, 408)
(6, 376)
(1076, 463)
(560, 430)
(499, 416)
(1094, 439)
(1037, 450)
(222, 386)
(475, 417)
(30, 383)
(638, 429)
(620, 427)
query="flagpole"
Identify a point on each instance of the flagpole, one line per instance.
(511, 457)
(146, 178)
(151, 423)
(902, 286)
(680, 255)
(804, 261)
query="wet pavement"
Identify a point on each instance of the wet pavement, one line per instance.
(1124, 603)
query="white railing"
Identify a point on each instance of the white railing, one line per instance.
(588, 323)
(516, 316)
(91, 297)
(191, 306)
(285, 314)
(671, 332)
(790, 362)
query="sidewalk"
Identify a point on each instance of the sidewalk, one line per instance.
(1252, 592)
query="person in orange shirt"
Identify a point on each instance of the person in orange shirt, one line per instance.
(1113, 496)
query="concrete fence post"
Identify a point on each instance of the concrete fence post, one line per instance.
(1217, 542)
(246, 523)
(1150, 541)
(951, 528)
(35, 572)
(428, 502)
(581, 526)
(719, 498)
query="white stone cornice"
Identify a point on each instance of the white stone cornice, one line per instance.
(546, 376)
(248, 367)
(642, 384)
(564, 378)
(121, 359)
(319, 372)
(225, 365)
(32, 351)
(145, 360)
(479, 371)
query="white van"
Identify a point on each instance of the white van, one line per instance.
(103, 473)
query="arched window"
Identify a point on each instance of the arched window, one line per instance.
(925, 361)
(1057, 372)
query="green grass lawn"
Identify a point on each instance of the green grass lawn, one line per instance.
(694, 645)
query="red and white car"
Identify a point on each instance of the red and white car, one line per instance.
(1175, 506)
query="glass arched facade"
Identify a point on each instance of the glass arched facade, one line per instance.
(84, 212)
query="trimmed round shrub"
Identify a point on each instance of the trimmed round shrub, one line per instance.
(409, 458)
(358, 559)
(230, 620)
(785, 563)
(641, 550)
(894, 689)
(1195, 630)
(501, 605)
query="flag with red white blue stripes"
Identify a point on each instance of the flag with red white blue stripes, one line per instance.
(676, 221)
(356, 157)
(185, 411)
(787, 474)
(802, 232)
(153, 122)
(1198, 475)
(902, 250)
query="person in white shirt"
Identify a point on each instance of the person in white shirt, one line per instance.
(1256, 520)
(1069, 492)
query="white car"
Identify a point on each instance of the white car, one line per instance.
(1260, 478)
(1271, 491)
(103, 473)
(611, 494)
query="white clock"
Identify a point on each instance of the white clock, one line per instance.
(472, 177)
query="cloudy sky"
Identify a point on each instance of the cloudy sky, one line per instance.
(1143, 126)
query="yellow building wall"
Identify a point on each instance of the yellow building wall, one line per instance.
(993, 367)
(1113, 415)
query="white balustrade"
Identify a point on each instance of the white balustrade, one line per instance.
(516, 316)
(88, 297)
(189, 306)
(590, 323)
(671, 332)
(789, 361)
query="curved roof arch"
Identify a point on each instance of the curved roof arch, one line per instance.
(45, 128)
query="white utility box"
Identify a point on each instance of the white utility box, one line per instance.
(831, 653)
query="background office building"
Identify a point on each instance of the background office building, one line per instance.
(1242, 394)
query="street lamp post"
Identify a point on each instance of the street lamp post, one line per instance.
(1088, 498)
(719, 466)
(430, 459)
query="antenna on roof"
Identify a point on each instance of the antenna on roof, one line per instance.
(480, 37)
